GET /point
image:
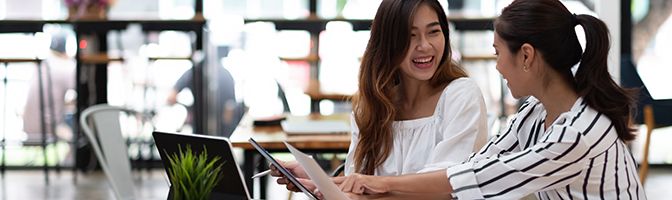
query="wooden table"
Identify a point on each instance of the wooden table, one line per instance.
(272, 137)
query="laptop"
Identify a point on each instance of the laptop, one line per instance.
(232, 186)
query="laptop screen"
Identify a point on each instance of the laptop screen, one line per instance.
(232, 185)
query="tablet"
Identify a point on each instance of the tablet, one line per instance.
(282, 169)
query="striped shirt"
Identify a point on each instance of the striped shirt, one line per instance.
(579, 157)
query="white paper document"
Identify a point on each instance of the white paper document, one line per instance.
(323, 182)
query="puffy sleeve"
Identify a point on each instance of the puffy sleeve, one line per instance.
(462, 125)
(349, 167)
(553, 162)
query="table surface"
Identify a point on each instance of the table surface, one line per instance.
(400, 196)
(272, 137)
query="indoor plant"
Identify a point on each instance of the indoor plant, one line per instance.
(193, 176)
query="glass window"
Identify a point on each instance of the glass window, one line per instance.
(651, 28)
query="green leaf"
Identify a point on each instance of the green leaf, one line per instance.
(194, 176)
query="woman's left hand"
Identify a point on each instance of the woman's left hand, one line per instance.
(362, 184)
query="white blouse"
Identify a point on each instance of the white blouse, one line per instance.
(457, 128)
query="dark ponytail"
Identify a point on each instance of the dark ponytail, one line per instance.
(549, 27)
(594, 83)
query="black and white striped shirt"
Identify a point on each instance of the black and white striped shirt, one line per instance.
(579, 157)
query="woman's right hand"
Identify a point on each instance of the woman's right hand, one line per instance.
(292, 166)
(310, 186)
(298, 172)
(361, 184)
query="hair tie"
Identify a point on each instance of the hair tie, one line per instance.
(575, 21)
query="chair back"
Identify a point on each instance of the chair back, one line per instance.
(630, 78)
(101, 126)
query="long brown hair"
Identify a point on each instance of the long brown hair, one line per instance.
(374, 104)
(549, 27)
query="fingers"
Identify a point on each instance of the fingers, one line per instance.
(293, 188)
(290, 186)
(372, 190)
(275, 172)
(310, 186)
(318, 194)
(282, 181)
(357, 187)
(357, 184)
(291, 166)
(351, 196)
(338, 180)
(348, 183)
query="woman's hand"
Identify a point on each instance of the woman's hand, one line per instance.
(297, 171)
(310, 186)
(362, 184)
(293, 168)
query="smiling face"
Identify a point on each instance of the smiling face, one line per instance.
(511, 66)
(426, 47)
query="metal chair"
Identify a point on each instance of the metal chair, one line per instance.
(101, 125)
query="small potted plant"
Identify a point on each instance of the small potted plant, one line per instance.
(193, 176)
(88, 9)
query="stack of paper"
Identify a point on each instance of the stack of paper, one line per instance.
(323, 182)
(315, 127)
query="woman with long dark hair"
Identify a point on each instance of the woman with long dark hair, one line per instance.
(415, 110)
(566, 142)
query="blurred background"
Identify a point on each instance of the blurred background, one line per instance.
(199, 66)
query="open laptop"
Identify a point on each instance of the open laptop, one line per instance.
(232, 185)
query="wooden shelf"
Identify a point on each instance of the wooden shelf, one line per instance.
(98, 25)
(478, 57)
(312, 25)
(154, 58)
(310, 58)
(102, 58)
(333, 97)
(19, 60)
(315, 25)
(21, 26)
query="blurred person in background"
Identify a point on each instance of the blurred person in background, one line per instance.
(229, 111)
(59, 67)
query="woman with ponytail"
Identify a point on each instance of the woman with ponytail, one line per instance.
(567, 141)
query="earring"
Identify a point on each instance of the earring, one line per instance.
(525, 69)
